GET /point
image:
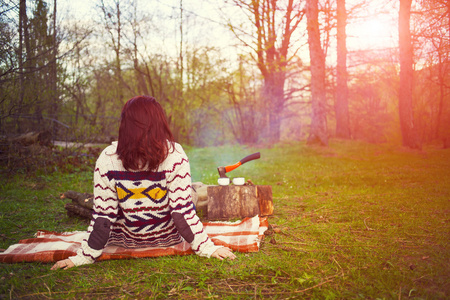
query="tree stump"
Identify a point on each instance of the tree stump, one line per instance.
(233, 201)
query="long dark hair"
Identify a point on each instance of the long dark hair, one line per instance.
(144, 134)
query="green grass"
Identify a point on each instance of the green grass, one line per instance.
(351, 221)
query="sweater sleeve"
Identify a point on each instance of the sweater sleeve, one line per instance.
(104, 215)
(182, 208)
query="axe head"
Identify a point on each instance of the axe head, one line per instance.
(222, 172)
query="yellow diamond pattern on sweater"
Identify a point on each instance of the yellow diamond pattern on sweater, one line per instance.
(156, 193)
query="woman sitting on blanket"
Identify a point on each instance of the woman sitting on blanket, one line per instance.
(142, 191)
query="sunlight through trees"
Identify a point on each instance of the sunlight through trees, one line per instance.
(233, 71)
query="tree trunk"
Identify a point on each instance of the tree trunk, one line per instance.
(318, 131)
(274, 95)
(118, 57)
(405, 107)
(441, 79)
(54, 101)
(22, 19)
(141, 86)
(181, 62)
(341, 106)
(447, 137)
(23, 61)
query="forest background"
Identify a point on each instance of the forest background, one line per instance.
(236, 71)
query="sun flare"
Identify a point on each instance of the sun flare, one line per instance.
(378, 31)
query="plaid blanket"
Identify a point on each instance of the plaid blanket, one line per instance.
(49, 246)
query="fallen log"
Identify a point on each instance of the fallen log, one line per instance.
(75, 210)
(81, 206)
(83, 199)
(43, 138)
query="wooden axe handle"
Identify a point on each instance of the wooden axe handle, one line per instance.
(243, 161)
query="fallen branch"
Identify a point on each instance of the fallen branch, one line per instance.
(284, 292)
(313, 287)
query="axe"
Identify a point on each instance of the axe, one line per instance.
(224, 170)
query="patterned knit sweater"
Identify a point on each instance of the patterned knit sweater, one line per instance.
(143, 208)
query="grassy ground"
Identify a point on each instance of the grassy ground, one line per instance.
(351, 221)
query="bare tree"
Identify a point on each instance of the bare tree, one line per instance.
(273, 27)
(78, 63)
(318, 131)
(245, 117)
(408, 130)
(112, 18)
(137, 21)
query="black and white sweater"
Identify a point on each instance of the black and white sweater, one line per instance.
(143, 208)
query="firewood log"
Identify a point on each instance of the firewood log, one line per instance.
(73, 209)
(83, 199)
